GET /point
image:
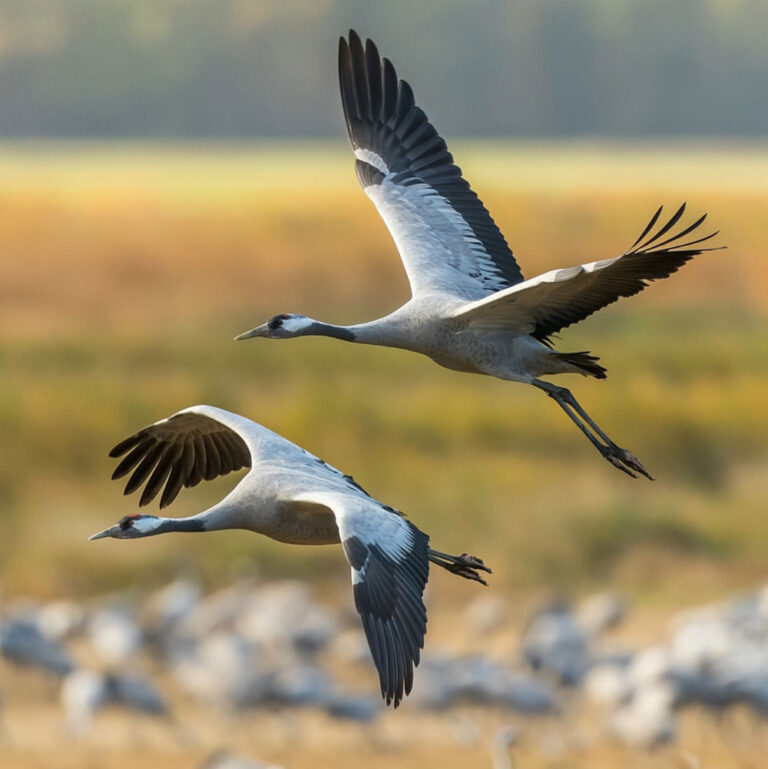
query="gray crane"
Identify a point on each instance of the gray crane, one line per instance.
(85, 691)
(292, 496)
(471, 309)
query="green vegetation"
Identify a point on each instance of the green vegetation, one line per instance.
(126, 273)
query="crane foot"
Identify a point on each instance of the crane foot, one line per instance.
(464, 565)
(625, 461)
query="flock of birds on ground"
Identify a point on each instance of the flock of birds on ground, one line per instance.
(470, 310)
(272, 647)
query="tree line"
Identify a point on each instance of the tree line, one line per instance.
(250, 68)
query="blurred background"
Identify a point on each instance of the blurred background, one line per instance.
(173, 172)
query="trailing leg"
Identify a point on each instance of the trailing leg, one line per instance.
(620, 458)
(464, 565)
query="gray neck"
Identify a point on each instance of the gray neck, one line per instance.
(193, 523)
(328, 329)
(384, 332)
(220, 516)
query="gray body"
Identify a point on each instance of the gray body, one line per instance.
(293, 496)
(471, 309)
(425, 324)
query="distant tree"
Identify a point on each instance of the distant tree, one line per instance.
(242, 68)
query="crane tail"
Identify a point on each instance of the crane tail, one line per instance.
(584, 363)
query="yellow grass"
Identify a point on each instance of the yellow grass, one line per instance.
(127, 270)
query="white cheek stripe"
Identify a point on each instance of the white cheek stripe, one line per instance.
(145, 525)
(296, 324)
(370, 157)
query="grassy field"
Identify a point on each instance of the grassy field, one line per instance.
(126, 271)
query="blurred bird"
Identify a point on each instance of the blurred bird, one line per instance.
(555, 642)
(449, 681)
(22, 642)
(601, 612)
(84, 692)
(292, 496)
(470, 309)
(60, 620)
(114, 634)
(223, 669)
(350, 707)
(165, 608)
(647, 718)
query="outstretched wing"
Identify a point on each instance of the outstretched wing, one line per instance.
(446, 238)
(388, 556)
(547, 303)
(199, 443)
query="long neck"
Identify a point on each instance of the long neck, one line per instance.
(193, 523)
(318, 328)
(384, 332)
(220, 516)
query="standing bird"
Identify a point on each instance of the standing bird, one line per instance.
(292, 496)
(470, 309)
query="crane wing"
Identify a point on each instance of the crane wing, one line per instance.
(547, 303)
(446, 238)
(199, 443)
(388, 556)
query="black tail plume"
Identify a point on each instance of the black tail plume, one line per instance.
(586, 363)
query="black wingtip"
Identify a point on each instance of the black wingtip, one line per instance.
(125, 445)
(651, 242)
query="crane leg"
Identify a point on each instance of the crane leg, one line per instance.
(464, 565)
(620, 458)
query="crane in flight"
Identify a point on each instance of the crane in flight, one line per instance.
(292, 496)
(470, 307)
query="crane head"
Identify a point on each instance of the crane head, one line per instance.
(283, 326)
(131, 527)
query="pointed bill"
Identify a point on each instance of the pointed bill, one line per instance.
(110, 532)
(258, 331)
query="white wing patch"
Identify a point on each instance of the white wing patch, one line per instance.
(370, 157)
(439, 250)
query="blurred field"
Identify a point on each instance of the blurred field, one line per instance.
(126, 271)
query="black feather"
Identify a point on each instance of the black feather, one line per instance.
(624, 276)
(388, 597)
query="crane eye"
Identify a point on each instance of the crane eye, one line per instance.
(276, 322)
(126, 523)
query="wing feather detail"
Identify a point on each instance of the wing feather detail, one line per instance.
(446, 238)
(179, 452)
(544, 305)
(388, 559)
